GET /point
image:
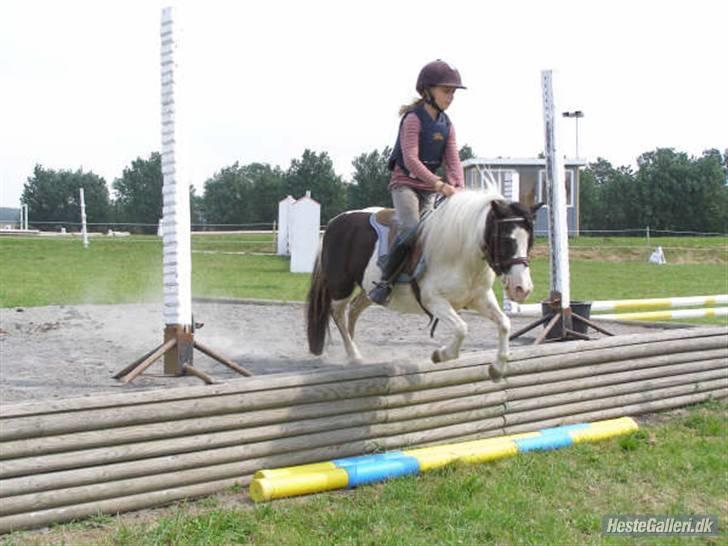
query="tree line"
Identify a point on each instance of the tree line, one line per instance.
(669, 190)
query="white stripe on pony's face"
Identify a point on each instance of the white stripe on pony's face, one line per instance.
(517, 281)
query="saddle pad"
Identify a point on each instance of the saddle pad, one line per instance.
(382, 232)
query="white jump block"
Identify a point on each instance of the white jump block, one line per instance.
(305, 224)
(283, 247)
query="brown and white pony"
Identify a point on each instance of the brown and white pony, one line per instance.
(466, 242)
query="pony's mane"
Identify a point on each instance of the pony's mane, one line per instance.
(455, 230)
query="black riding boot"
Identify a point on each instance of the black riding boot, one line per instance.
(394, 262)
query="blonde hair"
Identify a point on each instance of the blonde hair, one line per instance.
(405, 108)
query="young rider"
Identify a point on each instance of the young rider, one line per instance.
(426, 141)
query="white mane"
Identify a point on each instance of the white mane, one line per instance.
(456, 229)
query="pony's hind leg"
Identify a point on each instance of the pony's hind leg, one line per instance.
(442, 310)
(487, 305)
(357, 305)
(339, 313)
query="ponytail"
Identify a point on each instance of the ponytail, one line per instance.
(406, 108)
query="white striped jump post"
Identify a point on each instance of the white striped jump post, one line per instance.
(179, 343)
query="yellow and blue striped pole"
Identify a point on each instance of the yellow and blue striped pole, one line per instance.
(353, 471)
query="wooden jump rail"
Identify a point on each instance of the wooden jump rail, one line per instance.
(68, 459)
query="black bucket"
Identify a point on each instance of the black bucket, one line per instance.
(581, 308)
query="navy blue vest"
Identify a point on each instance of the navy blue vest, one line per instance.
(433, 136)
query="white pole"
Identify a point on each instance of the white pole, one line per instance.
(534, 309)
(555, 176)
(667, 315)
(24, 217)
(177, 255)
(84, 233)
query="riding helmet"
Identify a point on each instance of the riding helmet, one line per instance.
(438, 73)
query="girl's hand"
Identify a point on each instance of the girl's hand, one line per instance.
(445, 189)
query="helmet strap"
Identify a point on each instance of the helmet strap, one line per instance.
(429, 100)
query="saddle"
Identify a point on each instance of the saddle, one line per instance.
(384, 224)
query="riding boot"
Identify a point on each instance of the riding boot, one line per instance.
(391, 269)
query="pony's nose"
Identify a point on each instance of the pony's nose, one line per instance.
(521, 293)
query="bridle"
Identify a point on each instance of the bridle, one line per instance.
(491, 253)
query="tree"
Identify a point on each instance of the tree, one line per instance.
(54, 196)
(269, 188)
(371, 180)
(669, 191)
(682, 193)
(196, 207)
(139, 191)
(315, 172)
(608, 197)
(244, 194)
(227, 196)
(466, 152)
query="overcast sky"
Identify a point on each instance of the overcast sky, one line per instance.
(79, 81)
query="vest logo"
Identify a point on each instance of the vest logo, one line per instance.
(438, 136)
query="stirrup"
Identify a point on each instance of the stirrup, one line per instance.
(380, 293)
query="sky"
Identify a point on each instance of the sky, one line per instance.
(263, 81)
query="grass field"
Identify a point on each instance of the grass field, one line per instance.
(45, 271)
(675, 464)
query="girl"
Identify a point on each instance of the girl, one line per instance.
(426, 141)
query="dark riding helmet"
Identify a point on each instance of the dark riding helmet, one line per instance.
(438, 73)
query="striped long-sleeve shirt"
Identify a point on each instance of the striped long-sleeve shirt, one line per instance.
(420, 176)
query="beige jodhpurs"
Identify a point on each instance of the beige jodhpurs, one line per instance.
(410, 204)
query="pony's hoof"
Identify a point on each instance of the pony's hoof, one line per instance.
(436, 359)
(496, 372)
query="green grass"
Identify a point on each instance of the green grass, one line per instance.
(716, 244)
(672, 466)
(45, 271)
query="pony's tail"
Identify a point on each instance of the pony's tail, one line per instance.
(318, 308)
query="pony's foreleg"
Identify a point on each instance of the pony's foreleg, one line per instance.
(357, 305)
(339, 314)
(487, 305)
(442, 310)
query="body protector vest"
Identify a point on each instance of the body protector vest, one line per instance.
(433, 136)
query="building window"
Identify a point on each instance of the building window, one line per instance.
(541, 193)
(505, 179)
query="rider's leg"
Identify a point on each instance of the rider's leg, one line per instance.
(407, 203)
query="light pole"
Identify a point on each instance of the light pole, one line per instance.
(575, 114)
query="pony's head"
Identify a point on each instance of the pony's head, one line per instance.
(508, 241)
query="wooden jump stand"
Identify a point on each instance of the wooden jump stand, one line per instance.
(551, 320)
(178, 351)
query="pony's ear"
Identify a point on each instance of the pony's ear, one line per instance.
(536, 207)
(500, 208)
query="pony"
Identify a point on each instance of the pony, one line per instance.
(466, 242)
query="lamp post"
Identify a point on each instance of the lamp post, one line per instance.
(575, 114)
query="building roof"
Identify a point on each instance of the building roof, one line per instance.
(519, 162)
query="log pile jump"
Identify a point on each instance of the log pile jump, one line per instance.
(69, 459)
